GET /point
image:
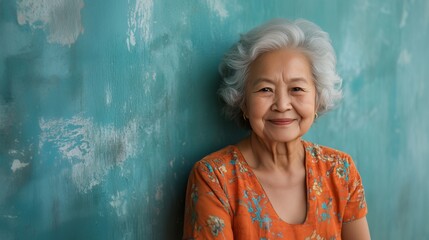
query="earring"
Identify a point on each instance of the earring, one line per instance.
(244, 117)
(316, 116)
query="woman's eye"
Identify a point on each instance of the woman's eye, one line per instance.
(297, 89)
(266, 89)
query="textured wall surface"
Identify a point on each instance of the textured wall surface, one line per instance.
(105, 105)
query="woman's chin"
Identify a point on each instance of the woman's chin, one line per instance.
(281, 137)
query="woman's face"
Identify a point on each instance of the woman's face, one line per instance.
(280, 97)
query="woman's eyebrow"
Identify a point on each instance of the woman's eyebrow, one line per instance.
(298, 79)
(267, 80)
(262, 80)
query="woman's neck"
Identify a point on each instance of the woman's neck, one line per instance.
(272, 156)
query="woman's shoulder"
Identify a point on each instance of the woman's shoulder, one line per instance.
(223, 165)
(320, 151)
(220, 158)
(329, 161)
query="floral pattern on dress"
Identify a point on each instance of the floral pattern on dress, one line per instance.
(215, 224)
(255, 204)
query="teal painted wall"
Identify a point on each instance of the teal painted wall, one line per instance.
(105, 106)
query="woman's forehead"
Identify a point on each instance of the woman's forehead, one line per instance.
(284, 63)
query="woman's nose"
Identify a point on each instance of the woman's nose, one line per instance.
(282, 102)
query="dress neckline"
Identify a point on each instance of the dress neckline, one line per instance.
(307, 156)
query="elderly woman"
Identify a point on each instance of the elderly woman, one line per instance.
(273, 184)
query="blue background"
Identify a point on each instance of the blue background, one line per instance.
(106, 105)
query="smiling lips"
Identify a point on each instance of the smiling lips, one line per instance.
(282, 121)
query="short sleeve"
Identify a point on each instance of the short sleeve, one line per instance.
(207, 210)
(356, 207)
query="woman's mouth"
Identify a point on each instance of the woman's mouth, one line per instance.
(282, 121)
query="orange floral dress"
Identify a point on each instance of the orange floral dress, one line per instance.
(225, 200)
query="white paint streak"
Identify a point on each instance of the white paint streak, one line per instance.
(17, 165)
(218, 7)
(404, 57)
(60, 17)
(119, 203)
(140, 22)
(403, 18)
(108, 95)
(350, 57)
(91, 149)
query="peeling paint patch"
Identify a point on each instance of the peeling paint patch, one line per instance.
(153, 129)
(218, 7)
(92, 150)
(119, 203)
(61, 18)
(148, 81)
(139, 22)
(404, 57)
(17, 165)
